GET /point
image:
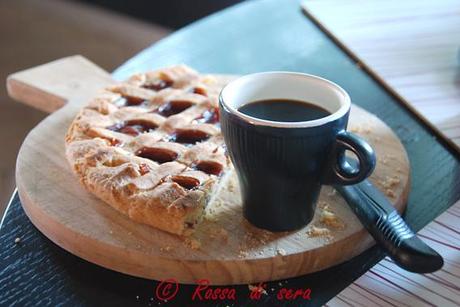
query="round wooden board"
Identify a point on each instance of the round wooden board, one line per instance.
(231, 250)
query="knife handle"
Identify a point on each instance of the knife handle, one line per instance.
(388, 229)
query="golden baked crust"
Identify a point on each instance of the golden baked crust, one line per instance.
(151, 147)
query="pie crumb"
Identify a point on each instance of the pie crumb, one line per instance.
(210, 217)
(242, 254)
(361, 129)
(281, 252)
(329, 219)
(323, 205)
(390, 182)
(390, 193)
(230, 187)
(318, 231)
(166, 249)
(208, 80)
(193, 243)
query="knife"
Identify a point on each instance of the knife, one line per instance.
(388, 229)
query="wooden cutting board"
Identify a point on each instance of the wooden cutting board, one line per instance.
(226, 249)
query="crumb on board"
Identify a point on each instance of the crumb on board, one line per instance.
(390, 193)
(192, 243)
(390, 182)
(209, 217)
(385, 158)
(315, 231)
(323, 205)
(242, 254)
(330, 219)
(166, 248)
(219, 233)
(281, 251)
(361, 128)
(255, 239)
(231, 186)
(17, 240)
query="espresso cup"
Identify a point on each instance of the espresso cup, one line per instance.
(282, 165)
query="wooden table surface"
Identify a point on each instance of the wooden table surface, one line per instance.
(253, 36)
(413, 46)
(388, 285)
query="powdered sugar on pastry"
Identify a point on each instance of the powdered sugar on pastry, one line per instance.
(151, 147)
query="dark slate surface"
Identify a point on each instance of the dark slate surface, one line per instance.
(254, 36)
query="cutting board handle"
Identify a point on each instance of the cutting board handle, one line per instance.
(50, 86)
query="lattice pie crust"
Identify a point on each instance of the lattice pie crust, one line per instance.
(151, 147)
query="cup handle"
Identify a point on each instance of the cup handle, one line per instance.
(340, 171)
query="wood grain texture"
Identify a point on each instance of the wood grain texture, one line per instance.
(43, 87)
(388, 285)
(410, 45)
(232, 251)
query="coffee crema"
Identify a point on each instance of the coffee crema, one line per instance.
(284, 110)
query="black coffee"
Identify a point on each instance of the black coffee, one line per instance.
(283, 110)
